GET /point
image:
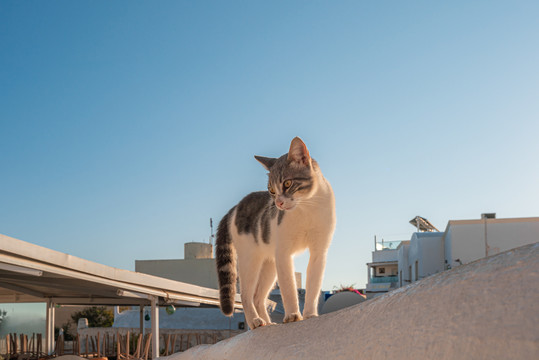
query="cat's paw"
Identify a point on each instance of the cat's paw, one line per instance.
(292, 318)
(308, 316)
(258, 322)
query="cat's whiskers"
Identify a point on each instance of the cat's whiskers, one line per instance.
(312, 201)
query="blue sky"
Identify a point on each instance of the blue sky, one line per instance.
(126, 125)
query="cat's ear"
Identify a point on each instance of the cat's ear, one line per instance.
(298, 152)
(266, 162)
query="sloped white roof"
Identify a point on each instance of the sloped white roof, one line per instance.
(488, 309)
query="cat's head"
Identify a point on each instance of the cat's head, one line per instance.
(291, 179)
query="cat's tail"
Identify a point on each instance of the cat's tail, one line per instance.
(225, 254)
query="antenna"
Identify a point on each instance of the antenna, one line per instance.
(211, 230)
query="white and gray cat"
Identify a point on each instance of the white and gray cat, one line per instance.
(267, 228)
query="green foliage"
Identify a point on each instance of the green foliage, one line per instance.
(68, 331)
(98, 316)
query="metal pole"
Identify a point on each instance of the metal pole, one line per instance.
(50, 327)
(141, 318)
(155, 328)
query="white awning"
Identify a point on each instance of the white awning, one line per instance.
(32, 273)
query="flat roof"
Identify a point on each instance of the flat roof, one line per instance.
(32, 273)
(493, 221)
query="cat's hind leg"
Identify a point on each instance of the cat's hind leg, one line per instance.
(266, 281)
(248, 270)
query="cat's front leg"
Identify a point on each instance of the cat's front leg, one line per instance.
(315, 274)
(287, 284)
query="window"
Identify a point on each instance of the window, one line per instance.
(382, 270)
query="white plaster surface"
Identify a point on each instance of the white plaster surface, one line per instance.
(340, 301)
(488, 309)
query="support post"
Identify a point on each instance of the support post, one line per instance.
(141, 319)
(50, 327)
(155, 327)
(486, 239)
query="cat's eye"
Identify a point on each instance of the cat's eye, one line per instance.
(271, 190)
(287, 184)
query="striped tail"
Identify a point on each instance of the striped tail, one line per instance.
(225, 254)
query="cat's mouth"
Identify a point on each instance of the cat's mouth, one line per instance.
(285, 207)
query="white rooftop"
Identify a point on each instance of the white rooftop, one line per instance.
(32, 273)
(488, 309)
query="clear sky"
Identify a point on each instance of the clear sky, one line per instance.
(126, 125)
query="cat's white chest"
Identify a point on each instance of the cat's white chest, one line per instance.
(307, 226)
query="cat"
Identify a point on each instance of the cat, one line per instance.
(267, 228)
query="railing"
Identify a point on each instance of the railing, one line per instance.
(17, 346)
(387, 245)
(384, 279)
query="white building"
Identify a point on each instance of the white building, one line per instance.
(198, 266)
(383, 270)
(424, 257)
(469, 240)
(462, 242)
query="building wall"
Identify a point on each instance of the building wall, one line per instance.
(448, 248)
(384, 255)
(197, 250)
(201, 272)
(386, 270)
(432, 258)
(404, 277)
(413, 257)
(465, 240)
(502, 236)
(466, 243)
(425, 254)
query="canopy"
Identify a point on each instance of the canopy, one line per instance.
(32, 273)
